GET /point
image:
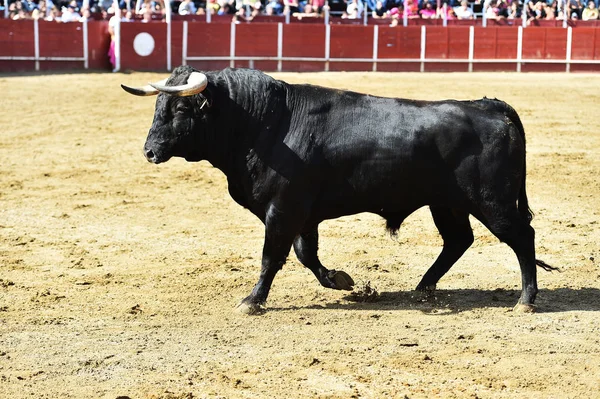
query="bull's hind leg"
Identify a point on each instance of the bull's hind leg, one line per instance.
(306, 246)
(506, 223)
(457, 234)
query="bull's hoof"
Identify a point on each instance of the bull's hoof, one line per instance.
(426, 288)
(250, 309)
(425, 293)
(341, 280)
(525, 308)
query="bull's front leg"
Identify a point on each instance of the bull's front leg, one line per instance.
(306, 246)
(280, 230)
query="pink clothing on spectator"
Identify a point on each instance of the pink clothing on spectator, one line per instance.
(427, 13)
(111, 54)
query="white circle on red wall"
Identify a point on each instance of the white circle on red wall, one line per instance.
(143, 44)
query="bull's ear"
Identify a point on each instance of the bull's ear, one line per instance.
(195, 84)
(147, 90)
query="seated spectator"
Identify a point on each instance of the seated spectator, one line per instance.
(493, 11)
(124, 4)
(450, 13)
(590, 13)
(317, 5)
(54, 15)
(551, 12)
(248, 10)
(354, 10)
(70, 13)
(187, 7)
(412, 9)
(291, 6)
(226, 8)
(146, 5)
(395, 14)
(513, 11)
(274, 7)
(309, 11)
(379, 11)
(147, 16)
(105, 4)
(574, 7)
(536, 11)
(86, 15)
(428, 12)
(464, 11)
(213, 7)
(128, 17)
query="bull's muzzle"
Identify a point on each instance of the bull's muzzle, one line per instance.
(150, 155)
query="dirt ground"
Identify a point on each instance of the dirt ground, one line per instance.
(120, 278)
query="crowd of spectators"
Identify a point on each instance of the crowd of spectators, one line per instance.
(79, 11)
(394, 10)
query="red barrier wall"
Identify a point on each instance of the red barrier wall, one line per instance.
(348, 41)
(495, 43)
(16, 41)
(208, 40)
(396, 43)
(304, 46)
(300, 42)
(55, 40)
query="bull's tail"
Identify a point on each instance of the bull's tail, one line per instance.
(522, 201)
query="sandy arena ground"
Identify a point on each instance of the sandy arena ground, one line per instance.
(119, 277)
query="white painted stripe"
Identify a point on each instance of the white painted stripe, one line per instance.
(375, 45)
(36, 43)
(327, 44)
(519, 48)
(569, 47)
(86, 63)
(423, 45)
(471, 46)
(184, 43)
(169, 44)
(279, 45)
(232, 46)
(19, 58)
(118, 45)
(411, 60)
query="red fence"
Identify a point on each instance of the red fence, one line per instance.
(29, 45)
(271, 46)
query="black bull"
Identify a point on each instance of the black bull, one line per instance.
(296, 155)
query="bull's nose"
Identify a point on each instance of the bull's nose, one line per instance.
(150, 156)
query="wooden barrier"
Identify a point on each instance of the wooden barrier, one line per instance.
(276, 46)
(27, 45)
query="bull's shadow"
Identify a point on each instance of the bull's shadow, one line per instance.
(460, 300)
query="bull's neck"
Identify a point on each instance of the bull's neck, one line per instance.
(241, 119)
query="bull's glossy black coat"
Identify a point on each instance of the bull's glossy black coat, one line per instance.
(295, 155)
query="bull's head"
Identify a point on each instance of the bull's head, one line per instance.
(178, 109)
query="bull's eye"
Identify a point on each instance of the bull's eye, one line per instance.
(180, 111)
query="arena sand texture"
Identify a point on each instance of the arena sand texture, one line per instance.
(120, 278)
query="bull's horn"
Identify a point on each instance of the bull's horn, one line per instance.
(195, 84)
(147, 90)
